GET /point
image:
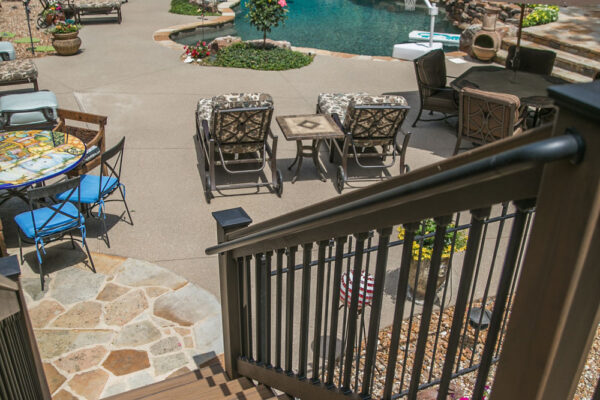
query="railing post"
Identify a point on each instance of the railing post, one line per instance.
(557, 303)
(228, 221)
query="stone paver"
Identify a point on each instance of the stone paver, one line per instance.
(81, 315)
(44, 312)
(185, 306)
(82, 359)
(89, 384)
(111, 292)
(125, 308)
(123, 362)
(137, 334)
(164, 364)
(63, 395)
(73, 285)
(166, 345)
(142, 273)
(56, 342)
(54, 378)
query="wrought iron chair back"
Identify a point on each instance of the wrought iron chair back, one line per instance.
(370, 125)
(536, 61)
(241, 130)
(111, 162)
(47, 194)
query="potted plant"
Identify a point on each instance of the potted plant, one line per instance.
(65, 38)
(53, 13)
(422, 252)
(266, 14)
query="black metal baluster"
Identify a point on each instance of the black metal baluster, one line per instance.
(345, 305)
(353, 310)
(304, 310)
(267, 308)
(430, 293)
(259, 300)
(247, 305)
(326, 317)
(409, 237)
(335, 299)
(319, 309)
(289, 310)
(478, 218)
(443, 302)
(278, 308)
(362, 310)
(508, 269)
(372, 338)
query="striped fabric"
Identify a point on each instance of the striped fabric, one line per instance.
(365, 294)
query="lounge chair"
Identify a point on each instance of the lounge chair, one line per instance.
(487, 116)
(369, 123)
(234, 129)
(96, 7)
(15, 72)
(430, 69)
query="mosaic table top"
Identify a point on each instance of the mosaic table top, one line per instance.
(313, 126)
(27, 157)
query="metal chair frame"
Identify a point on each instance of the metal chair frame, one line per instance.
(46, 194)
(342, 148)
(211, 146)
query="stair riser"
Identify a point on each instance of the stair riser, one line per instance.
(577, 50)
(567, 64)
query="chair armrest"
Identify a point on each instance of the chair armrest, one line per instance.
(336, 119)
(81, 116)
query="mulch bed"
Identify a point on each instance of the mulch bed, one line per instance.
(13, 20)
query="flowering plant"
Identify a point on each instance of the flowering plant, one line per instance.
(541, 14)
(266, 14)
(54, 8)
(63, 27)
(200, 50)
(424, 248)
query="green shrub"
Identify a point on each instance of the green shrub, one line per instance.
(541, 14)
(243, 55)
(184, 7)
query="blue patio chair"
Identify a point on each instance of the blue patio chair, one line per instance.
(41, 225)
(94, 190)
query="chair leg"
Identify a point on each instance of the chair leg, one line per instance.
(72, 241)
(457, 147)
(418, 117)
(126, 207)
(41, 271)
(21, 249)
(105, 231)
(87, 249)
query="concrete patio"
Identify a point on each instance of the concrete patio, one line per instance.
(150, 97)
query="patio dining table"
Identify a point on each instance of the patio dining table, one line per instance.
(530, 88)
(30, 157)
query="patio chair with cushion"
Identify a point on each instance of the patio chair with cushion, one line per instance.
(531, 60)
(7, 51)
(36, 110)
(41, 225)
(78, 124)
(370, 125)
(94, 190)
(96, 7)
(233, 130)
(486, 116)
(18, 72)
(430, 69)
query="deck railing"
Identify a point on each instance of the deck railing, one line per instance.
(21, 373)
(275, 322)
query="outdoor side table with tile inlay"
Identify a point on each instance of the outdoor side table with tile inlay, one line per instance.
(315, 127)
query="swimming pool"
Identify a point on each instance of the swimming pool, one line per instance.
(369, 27)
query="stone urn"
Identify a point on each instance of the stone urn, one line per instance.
(423, 273)
(487, 41)
(66, 44)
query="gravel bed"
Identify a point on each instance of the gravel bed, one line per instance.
(13, 20)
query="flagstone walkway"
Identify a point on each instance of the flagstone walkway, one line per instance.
(131, 324)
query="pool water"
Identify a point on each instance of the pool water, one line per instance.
(369, 27)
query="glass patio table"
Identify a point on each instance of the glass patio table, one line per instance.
(30, 157)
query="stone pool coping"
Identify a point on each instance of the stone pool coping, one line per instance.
(163, 36)
(131, 324)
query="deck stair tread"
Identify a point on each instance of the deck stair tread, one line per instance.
(556, 71)
(207, 383)
(564, 59)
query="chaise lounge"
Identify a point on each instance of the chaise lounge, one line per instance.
(15, 72)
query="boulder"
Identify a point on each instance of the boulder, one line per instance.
(223, 42)
(270, 43)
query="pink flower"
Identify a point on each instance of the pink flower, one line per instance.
(282, 3)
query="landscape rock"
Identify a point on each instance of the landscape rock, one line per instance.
(223, 42)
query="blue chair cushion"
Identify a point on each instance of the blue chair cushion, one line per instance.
(90, 189)
(57, 223)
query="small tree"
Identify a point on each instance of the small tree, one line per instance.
(266, 14)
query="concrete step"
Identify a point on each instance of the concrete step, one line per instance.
(569, 76)
(554, 44)
(565, 60)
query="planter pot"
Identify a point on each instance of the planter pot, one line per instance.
(66, 47)
(65, 36)
(423, 274)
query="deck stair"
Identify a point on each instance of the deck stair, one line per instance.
(207, 383)
(572, 62)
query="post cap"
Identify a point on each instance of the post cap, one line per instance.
(232, 218)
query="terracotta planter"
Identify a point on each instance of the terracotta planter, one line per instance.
(66, 44)
(419, 292)
(65, 36)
